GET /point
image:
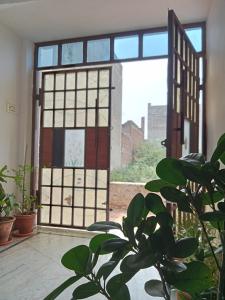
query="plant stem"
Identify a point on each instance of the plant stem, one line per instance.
(167, 296)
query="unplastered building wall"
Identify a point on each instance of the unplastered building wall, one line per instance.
(15, 97)
(215, 73)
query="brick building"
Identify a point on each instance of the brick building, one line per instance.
(132, 137)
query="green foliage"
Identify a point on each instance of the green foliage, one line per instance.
(143, 166)
(28, 201)
(149, 237)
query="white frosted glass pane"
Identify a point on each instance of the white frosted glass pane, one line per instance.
(56, 195)
(70, 99)
(68, 177)
(90, 198)
(81, 80)
(45, 195)
(59, 99)
(70, 81)
(79, 177)
(103, 117)
(90, 178)
(72, 53)
(103, 98)
(78, 197)
(44, 214)
(48, 100)
(91, 117)
(69, 121)
(59, 118)
(46, 176)
(81, 99)
(67, 215)
(102, 179)
(59, 81)
(98, 50)
(56, 213)
(78, 217)
(57, 176)
(101, 198)
(47, 56)
(104, 78)
(101, 215)
(48, 118)
(67, 196)
(92, 98)
(80, 118)
(74, 148)
(49, 82)
(126, 47)
(92, 79)
(89, 217)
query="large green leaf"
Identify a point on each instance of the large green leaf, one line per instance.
(196, 159)
(193, 172)
(106, 269)
(128, 231)
(97, 241)
(184, 247)
(169, 170)
(220, 149)
(172, 194)
(54, 294)
(122, 293)
(86, 290)
(174, 265)
(116, 287)
(162, 240)
(135, 210)
(78, 259)
(195, 279)
(150, 225)
(154, 203)
(104, 226)
(214, 216)
(156, 185)
(141, 260)
(216, 196)
(164, 219)
(114, 244)
(154, 288)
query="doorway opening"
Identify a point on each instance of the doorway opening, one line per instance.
(136, 130)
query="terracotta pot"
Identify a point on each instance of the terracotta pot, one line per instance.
(24, 224)
(6, 224)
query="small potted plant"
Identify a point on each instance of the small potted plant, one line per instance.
(7, 204)
(25, 218)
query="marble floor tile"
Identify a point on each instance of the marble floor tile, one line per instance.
(32, 269)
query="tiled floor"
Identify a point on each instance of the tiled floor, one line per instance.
(32, 269)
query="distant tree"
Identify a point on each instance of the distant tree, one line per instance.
(142, 169)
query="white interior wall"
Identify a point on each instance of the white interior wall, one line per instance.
(215, 73)
(15, 90)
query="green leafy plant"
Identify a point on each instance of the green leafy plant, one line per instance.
(7, 201)
(197, 187)
(28, 202)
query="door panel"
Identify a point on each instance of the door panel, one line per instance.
(183, 91)
(74, 147)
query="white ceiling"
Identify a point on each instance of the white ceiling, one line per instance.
(42, 20)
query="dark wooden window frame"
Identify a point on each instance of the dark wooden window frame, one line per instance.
(140, 57)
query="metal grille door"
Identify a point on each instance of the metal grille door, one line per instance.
(183, 92)
(75, 147)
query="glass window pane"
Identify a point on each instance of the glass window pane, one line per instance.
(45, 195)
(70, 81)
(47, 56)
(56, 195)
(59, 99)
(67, 216)
(59, 116)
(48, 100)
(90, 198)
(98, 50)
(155, 44)
(46, 176)
(78, 217)
(79, 178)
(48, 118)
(70, 99)
(57, 177)
(74, 148)
(49, 82)
(44, 211)
(69, 118)
(56, 214)
(195, 35)
(72, 53)
(78, 197)
(126, 47)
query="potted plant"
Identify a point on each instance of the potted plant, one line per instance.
(7, 204)
(150, 239)
(26, 210)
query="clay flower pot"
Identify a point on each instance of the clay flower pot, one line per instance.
(24, 225)
(6, 224)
